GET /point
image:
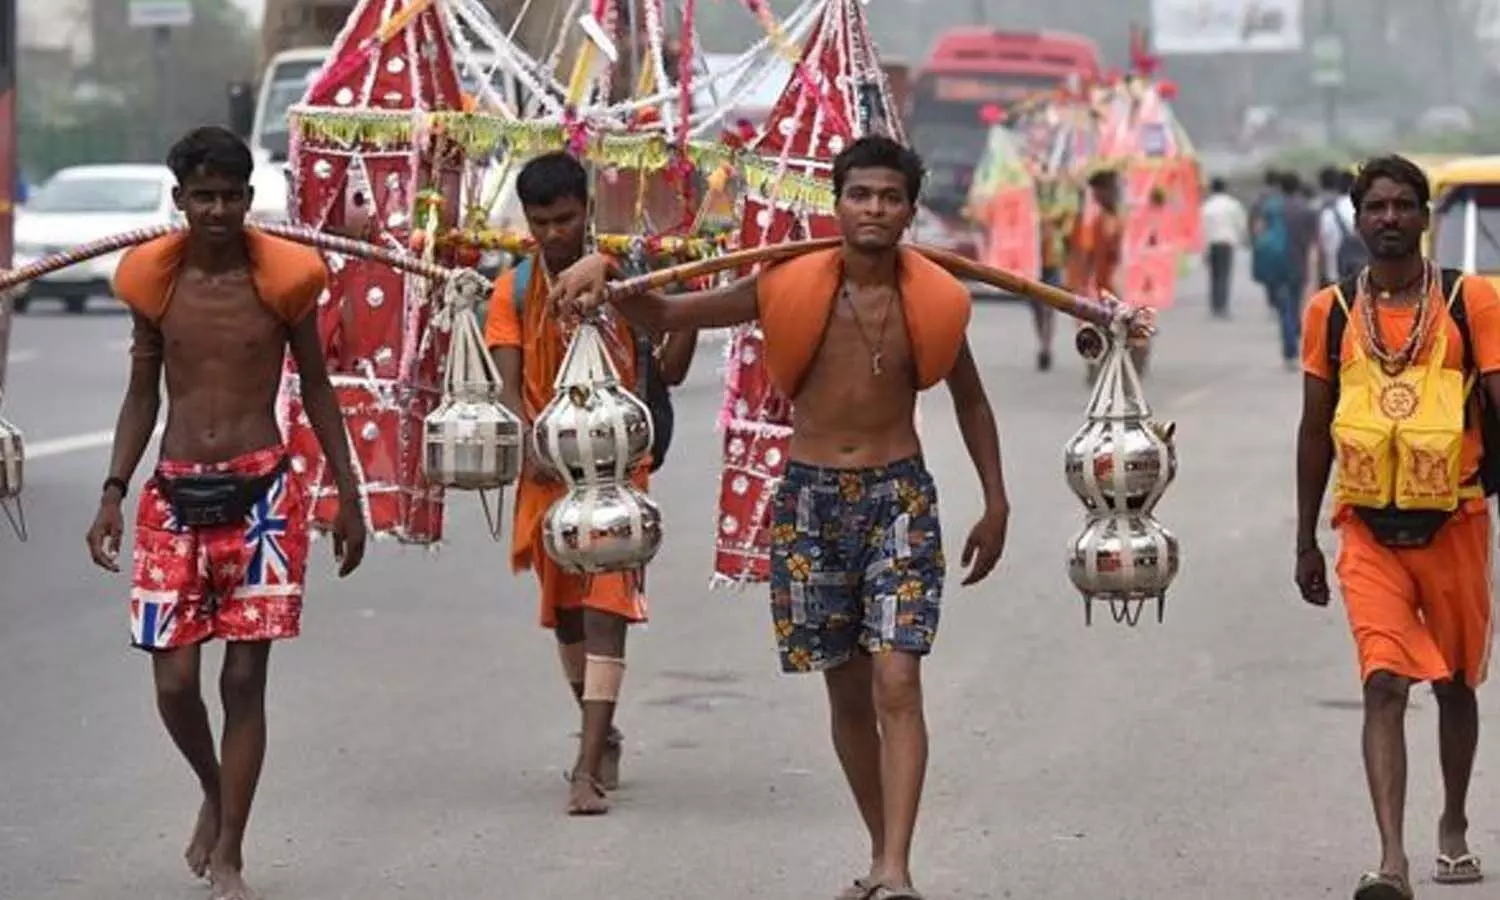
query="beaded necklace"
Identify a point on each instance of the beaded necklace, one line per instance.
(1394, 363)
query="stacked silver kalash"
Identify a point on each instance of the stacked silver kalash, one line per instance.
(592, 436)
(12, 474)
(1119, 464)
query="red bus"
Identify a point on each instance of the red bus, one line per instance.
(968, 70)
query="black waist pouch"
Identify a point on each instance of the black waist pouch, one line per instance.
(212, 499)
(1403, 529)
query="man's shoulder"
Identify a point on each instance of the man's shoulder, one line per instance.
(1320, 305)
(145, 273)
(1479, 295)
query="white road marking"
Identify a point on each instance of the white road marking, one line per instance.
(24, 356)
(75, 443)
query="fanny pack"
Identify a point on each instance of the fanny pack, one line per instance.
(212, 499)
(1403, 529)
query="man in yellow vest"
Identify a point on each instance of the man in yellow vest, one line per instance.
(1402, 373)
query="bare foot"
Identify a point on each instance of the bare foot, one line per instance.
(205, 835)
(586, 797)
(229, 884)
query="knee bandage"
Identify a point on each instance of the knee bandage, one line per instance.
(602, 676)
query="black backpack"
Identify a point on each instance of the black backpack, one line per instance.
(1489, 416)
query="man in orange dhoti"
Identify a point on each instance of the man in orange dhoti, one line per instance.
(589, 616)
(1397, 361)
(1098, 246)
(853, 334)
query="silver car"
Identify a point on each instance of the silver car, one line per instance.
(82, 204)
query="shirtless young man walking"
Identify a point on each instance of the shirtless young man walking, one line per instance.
(221, 532)
(853, 335)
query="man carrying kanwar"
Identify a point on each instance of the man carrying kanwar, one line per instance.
(1401, 375)
(589, 616)
(221, 533)
(852, 335)
(1097, 248)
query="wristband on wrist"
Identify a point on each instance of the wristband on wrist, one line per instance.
(118, 484)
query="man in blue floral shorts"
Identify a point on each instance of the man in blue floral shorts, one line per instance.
(858, 563)
(852, 335)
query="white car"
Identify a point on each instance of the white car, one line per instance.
(82, 204)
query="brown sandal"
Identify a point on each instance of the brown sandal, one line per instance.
(609, 769)
(859, 890)
(596, 805)
(1383, 886)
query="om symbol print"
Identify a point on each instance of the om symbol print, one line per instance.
(1398, 400)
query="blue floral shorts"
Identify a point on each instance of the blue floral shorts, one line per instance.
(856, 563)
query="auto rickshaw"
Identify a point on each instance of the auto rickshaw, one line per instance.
(1465, 233)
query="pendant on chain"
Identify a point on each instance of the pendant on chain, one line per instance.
(875, 363)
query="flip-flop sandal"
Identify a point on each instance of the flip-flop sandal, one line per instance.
(1382, 886)
(859, 890)
(889, 893)
(1464, 869)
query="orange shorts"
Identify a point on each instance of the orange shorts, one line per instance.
(1424, 614)
(614, 593)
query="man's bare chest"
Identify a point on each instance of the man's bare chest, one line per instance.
(227, 320)
(867, 331)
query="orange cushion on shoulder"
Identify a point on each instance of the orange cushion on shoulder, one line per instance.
(143, 279)
(796, 297)
(289, 277)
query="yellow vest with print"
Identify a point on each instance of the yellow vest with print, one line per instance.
(1398, 439)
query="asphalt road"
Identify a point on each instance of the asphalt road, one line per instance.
(420, 725)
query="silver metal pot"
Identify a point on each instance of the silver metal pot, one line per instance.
(593, 430)
(602, 528)
(1119, 465)
(472, 446)
(1123, 559)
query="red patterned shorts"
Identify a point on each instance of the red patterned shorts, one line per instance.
(237, 582)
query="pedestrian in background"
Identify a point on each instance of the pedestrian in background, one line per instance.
(1270, 190)
(1226, 226)
(1271, 267)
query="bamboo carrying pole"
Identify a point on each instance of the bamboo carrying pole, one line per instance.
(330, 242)
(1098, 312)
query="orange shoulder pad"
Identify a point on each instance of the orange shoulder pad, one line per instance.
(937, 307)
(288, 276)
(795, 299)
(144, 277)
